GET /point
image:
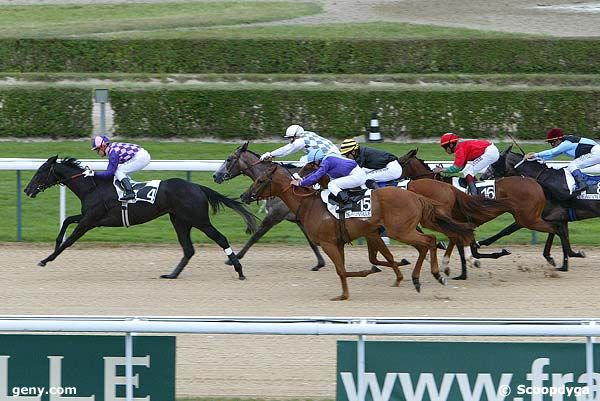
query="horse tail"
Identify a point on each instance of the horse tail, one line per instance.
(435, 217)
(216, 200)
(478, 209)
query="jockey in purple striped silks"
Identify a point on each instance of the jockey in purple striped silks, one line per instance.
(123, 159)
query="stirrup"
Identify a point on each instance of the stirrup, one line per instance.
(127, 197)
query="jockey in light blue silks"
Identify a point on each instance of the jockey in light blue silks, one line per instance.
(344, 174)
(586, 153)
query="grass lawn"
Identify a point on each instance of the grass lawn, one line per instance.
(40, 215)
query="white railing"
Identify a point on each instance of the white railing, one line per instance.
(339, 326)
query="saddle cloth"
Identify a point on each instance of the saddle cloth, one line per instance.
(144, 191)
(485, 188)
(361, 203)
(593, 190)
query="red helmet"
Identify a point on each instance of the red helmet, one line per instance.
(553, 134)
(448, 138)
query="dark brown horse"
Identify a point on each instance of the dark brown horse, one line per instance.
(524, 196)
(398, 210)
(456, 204)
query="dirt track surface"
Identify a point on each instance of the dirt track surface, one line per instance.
(124, 281)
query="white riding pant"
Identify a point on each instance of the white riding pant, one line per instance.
(356, 178)
(392, 171)
(140, 160)
(587, 160)
(489, 156)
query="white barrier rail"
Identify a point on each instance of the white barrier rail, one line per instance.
(571, 327)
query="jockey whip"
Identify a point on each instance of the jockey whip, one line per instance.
(515, 141)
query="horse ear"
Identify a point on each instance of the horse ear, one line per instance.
(244, 146)
(52, 159)
(413, 152)
(507, 150)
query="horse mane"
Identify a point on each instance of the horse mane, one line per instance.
(71, 162)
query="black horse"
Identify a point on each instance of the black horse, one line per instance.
(186, 203)
(557, 210)
(241, 162)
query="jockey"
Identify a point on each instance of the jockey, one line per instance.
(123, 158)
(344, 174)
(301, 140)
(380, 166)
(480, 152)
(586, 153)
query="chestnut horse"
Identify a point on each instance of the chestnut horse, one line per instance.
(455, 204)
(398, 210)
(524, 196)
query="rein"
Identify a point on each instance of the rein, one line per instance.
(43, 187)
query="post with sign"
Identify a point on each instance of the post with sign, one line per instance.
(101, 97)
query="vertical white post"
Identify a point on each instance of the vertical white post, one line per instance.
(589, 365)
(360, 365)
(62, 205)
(129, 367)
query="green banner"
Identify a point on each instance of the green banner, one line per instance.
(84, 368)
(467, 371)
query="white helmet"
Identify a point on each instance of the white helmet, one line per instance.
(293, 130)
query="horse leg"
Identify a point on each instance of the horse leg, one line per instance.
(63, 229)
(507, 231)
(572, 253)
(463, 264)
(77, 233)
(566, 245)
(315, 249)
(446, 257)
(422, 243)
(435, 268)
(494, 255)
(182, 229)
(375, 244)
(547, 247)
(212, 233)
(270, 220)
(336, 254)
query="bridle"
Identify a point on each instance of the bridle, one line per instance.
(58, 180)
(243, 171)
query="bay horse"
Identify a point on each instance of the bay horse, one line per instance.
(456, 204)
(186, 203)
(241, 161)
(558, 210)
(523, 194)
(398, 210)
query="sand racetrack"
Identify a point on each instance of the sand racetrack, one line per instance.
(98, 280)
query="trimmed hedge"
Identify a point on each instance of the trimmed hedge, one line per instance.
(506, 55)
(45, 112)
(338, 113)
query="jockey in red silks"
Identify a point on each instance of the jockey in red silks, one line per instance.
(480, 152)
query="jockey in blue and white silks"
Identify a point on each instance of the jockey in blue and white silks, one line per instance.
(123, 159)
(344, 174)
(301, 140)
(586, 153)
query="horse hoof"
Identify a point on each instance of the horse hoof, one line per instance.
(317, 268)
(41, 263)
(563, 269)
(169, 276)
(375, 269)
(242, 277)
(340, 298)
(477, 264)
(442, 280)
(418, 287)
(551, 261)
(228, 262)
(403, 262)
(579, 254)
(461, 277)
(505, 252)
(477, 244)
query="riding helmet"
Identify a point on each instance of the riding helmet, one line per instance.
(348, 146)
(293, 130)
(448, 138)
(315, 155)
(554, 134)
(98, 140)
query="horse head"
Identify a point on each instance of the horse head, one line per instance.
(258, 189)
(50, 173)
(240, 161)
(412, 166)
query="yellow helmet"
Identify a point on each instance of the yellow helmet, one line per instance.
(348, 146)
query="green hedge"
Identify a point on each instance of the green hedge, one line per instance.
(45, 112)
(340, 113)
(508, 55)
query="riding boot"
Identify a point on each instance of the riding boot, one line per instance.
(344, 201)
(371, 184)
(471, 185)
(129, 194)
(580, 184)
